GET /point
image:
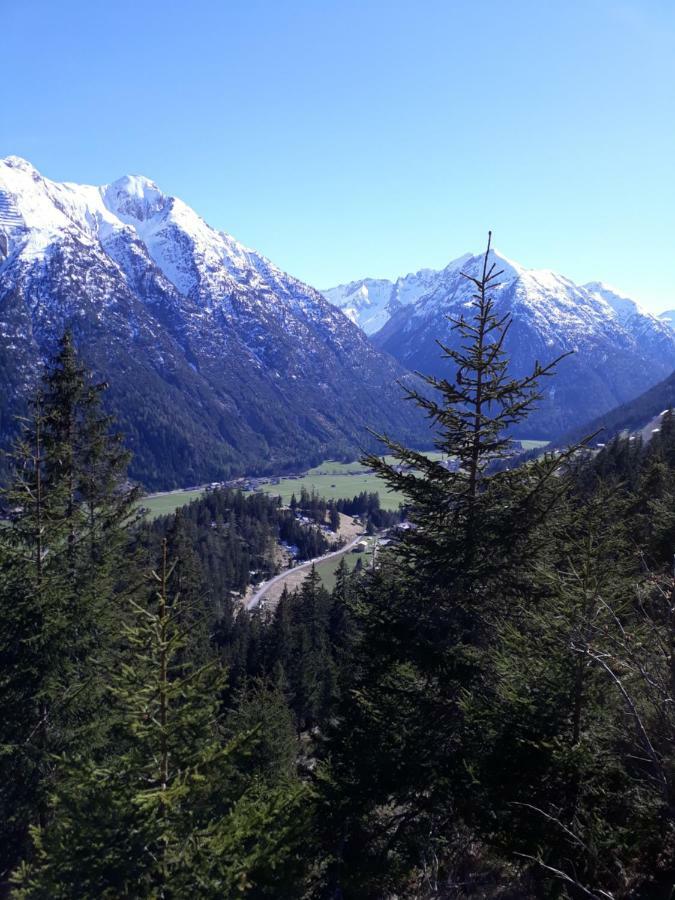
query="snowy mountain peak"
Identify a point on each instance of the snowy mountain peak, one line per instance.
(602, 289)
(135, 197)
(601, 286)
(619, 350)
(370, 302)
(624, 307)
(218, 360)
(127, 217)
(18, 162)
(505, 268)
(145, 233)
(458, 263)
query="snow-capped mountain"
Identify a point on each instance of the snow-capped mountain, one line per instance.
(620, 350)
(630, 314)
(668, 317)
(218, 361)
(371, 302)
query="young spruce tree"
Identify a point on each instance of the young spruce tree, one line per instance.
(400, 781)
(171, 809)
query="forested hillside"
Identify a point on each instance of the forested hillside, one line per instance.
(631, 416)
(487, 712)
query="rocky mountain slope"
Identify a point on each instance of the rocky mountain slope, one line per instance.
(619, 350)
(218, 361)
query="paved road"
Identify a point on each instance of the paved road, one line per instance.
(260, 593)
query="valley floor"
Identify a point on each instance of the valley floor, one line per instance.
(331, 480)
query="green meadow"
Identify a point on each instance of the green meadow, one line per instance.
(164, 504)
(326, 570)
(334, 487)
(330, 479)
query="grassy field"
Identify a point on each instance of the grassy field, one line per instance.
(168, 503)
(533, 445)
(332, 480)
(331, 467)
(333, 487)
(326, 570)
(328, 486)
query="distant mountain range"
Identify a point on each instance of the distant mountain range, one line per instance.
(371, 302)
(218, 361)
(620, 350)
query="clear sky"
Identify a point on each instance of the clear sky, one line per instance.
(345, 139)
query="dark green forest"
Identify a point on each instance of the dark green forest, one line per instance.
(485, 712)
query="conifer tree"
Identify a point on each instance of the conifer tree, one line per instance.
(197, 607)
(33, 662)
(340, 625)
(334, 517)
(261, 709)
(64, 562)
(473, 504)
(316, 684)
(535, 763)
(171, 809)
(88, 458)
(279, 651)
(400, 752)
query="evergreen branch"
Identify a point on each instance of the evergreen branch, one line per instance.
(603, 895)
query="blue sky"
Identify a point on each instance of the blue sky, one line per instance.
(345, 139)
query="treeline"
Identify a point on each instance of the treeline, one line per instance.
(131, 765)
(310, 542)
(509, 728)
(488, 711)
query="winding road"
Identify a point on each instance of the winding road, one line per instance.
(260, 593)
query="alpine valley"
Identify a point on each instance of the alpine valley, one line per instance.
(218, 362)
(619, 350)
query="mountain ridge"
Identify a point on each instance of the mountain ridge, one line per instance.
(370, 302)
(619, 349)
(353, 296)
(218, 360)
